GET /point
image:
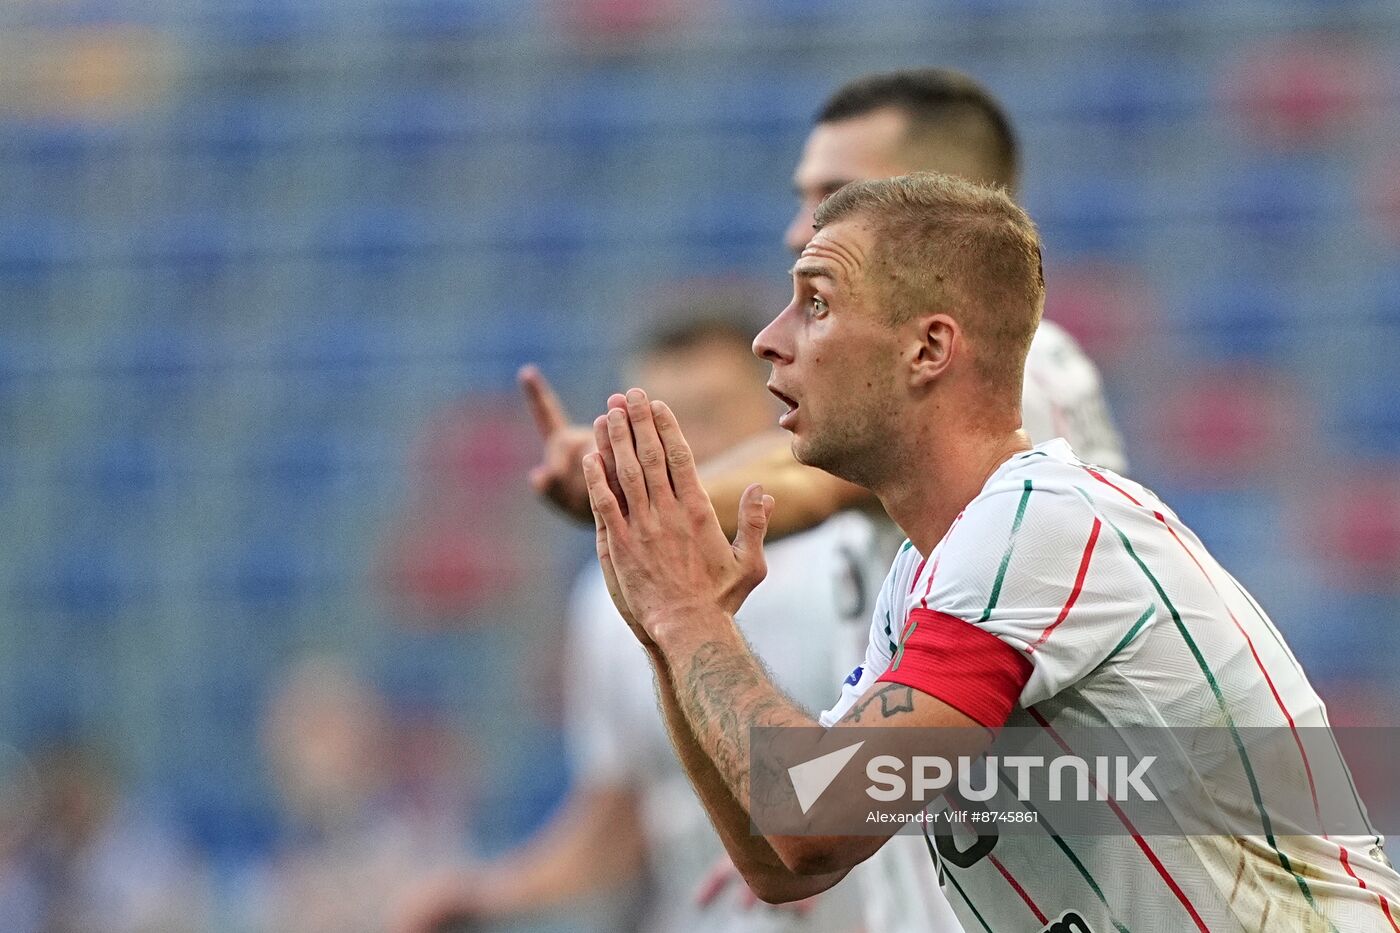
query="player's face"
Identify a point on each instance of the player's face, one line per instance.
(715, 392)
(834, 357)
(838, 153)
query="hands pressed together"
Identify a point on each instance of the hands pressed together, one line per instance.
(660, 545)
(659, 542)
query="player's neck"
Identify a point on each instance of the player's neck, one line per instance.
(944, 474)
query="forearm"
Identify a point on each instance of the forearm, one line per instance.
(755, 859)
(804, 496)
(720, 693)
(723, 692)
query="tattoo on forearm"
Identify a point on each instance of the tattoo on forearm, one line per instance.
(725, 694)
(894, 698)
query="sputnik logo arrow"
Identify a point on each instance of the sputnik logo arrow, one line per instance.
(811, 778)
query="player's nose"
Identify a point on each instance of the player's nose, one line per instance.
(772, 344)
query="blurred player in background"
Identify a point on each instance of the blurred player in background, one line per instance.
(875, 127)
(631, 809)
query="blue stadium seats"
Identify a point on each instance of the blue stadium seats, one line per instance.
(80, 580)
(373, 234)
(1280, 198)
(126, 468)
(465, 19)
(1245, 318)
(1091, 214)
(1366, 418)
(262, 572)
(296, 465)
(189, 241)
(33, 245)
(1125, 94)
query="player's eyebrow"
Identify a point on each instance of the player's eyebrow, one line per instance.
(811, 271)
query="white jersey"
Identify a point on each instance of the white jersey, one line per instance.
(1080, 600)
(817, 583)
(1062, 397)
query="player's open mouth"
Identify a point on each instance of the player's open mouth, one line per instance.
(785, 420)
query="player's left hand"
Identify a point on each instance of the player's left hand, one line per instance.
(666, 551)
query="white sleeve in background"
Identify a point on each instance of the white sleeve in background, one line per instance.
(884, 636)
(1063, 397)
(610, 701)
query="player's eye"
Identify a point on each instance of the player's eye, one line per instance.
(819, 307)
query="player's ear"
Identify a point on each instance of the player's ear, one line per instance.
(935, 341)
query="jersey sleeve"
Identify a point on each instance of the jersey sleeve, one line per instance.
(596, 728)
(1063, 397)
(1029, 594)
(878, 651)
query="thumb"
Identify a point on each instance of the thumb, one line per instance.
(754, 510)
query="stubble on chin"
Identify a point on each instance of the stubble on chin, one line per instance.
(830, 454)
(860, 450)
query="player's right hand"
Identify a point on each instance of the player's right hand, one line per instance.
(557, 477)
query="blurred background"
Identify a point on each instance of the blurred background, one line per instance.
(277, 604)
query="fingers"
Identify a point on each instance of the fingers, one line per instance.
(606, 508)
(754, 511)
(680, 462)
(605, 451)
(542, 401)
(650, 453)
(629, 470)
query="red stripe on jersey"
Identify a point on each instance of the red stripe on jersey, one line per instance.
(970, 669)
(1105, 480)
(932, 571)
(920, 569)
(1078, 586)
(1019, 890)
(1137, 837)
(1385, 905)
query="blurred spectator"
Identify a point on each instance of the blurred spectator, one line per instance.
(370, 802)
(87, 856)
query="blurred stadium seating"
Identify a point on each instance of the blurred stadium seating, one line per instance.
(251, 252)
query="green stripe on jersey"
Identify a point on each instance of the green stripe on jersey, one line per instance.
(908, 543)
(1264, 621)
(1132, 632)
(1006, 558)
(1214, 685)
(1074, 859)
(967, 900)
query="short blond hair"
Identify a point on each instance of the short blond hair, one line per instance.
(947, 245)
